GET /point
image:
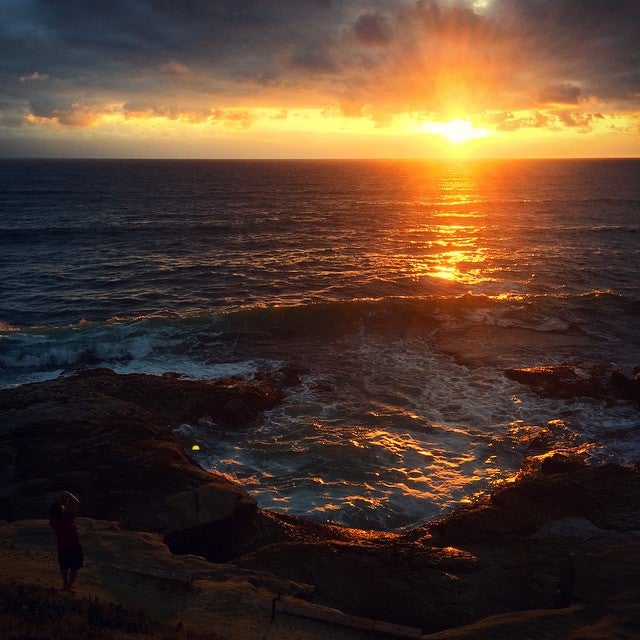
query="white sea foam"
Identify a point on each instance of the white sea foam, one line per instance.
(72, 346)
(125, 347)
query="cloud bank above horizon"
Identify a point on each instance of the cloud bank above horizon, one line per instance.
(249, 77)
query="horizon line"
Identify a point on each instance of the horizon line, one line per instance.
(324, 159)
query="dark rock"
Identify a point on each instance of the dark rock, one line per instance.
(534, 544)
(110, 438)
(553, 462)
(408, 584)
(598, 381)
(513, 550)
(560, 463)
(575, 527)
(607, 495)
(628, 388)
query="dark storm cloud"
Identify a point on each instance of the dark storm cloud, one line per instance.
(63, 59)
(373, 28)
(234, 38)
(591, 44)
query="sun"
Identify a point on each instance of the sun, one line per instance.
(455, 131)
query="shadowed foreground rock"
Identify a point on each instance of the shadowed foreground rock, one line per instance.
(110, 438)
(554, 554)
(527, 546)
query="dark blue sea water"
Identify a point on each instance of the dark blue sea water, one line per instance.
(401, 289)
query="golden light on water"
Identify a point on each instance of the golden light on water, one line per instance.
(452, 253)
(448, 240)
(446, 273)
(426, 471)
(450, 265)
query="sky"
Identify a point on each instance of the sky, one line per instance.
(319, 78)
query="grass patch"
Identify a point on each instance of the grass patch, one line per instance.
(28, 612)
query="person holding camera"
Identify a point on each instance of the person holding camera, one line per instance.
(62, 518)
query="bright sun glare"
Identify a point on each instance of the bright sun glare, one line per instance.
(455, 131)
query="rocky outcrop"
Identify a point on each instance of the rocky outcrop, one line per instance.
(520, 548)
(606, 495)
(110, 438)
(599, 381)
(526, 546)
(524, 557)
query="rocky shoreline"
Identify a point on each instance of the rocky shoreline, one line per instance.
(553, 554)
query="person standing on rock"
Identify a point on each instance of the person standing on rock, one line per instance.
(62, 518)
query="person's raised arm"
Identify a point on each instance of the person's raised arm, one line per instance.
(70, 501)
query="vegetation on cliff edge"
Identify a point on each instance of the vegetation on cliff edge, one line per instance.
(28, 612)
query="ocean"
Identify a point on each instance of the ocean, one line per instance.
(401, 290)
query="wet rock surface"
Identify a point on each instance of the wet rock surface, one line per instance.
(556, 548)
(598, 381)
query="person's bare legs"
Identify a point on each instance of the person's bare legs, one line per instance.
(72, 578)
(65, 579)
(68, 578)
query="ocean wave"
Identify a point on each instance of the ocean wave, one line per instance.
(153, 345)
(73, 346)
(337, 315)
(489, 327)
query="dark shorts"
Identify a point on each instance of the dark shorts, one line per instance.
(71, 558)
